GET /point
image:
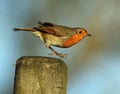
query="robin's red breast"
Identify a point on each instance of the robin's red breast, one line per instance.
(56, 35)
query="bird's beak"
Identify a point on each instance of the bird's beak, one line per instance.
(89, 34)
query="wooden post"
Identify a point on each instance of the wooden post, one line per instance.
(40, 75)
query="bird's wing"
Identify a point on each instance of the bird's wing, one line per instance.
(48, 30)
(45, 23)
(56, 30)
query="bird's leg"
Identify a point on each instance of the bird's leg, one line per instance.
(56, 53)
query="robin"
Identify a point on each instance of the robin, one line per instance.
(57, 35)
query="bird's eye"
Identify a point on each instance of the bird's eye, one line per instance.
(80, 32)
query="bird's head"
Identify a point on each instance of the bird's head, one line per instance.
(82, 32)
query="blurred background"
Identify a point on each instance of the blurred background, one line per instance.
(94, 63)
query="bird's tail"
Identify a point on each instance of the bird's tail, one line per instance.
(24, 29)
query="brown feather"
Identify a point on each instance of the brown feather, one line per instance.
(56, 30)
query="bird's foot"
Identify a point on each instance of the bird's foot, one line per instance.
(59, 55)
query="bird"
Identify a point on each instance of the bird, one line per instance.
(57, 35)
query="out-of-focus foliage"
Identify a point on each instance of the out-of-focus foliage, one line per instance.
(94, 63)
